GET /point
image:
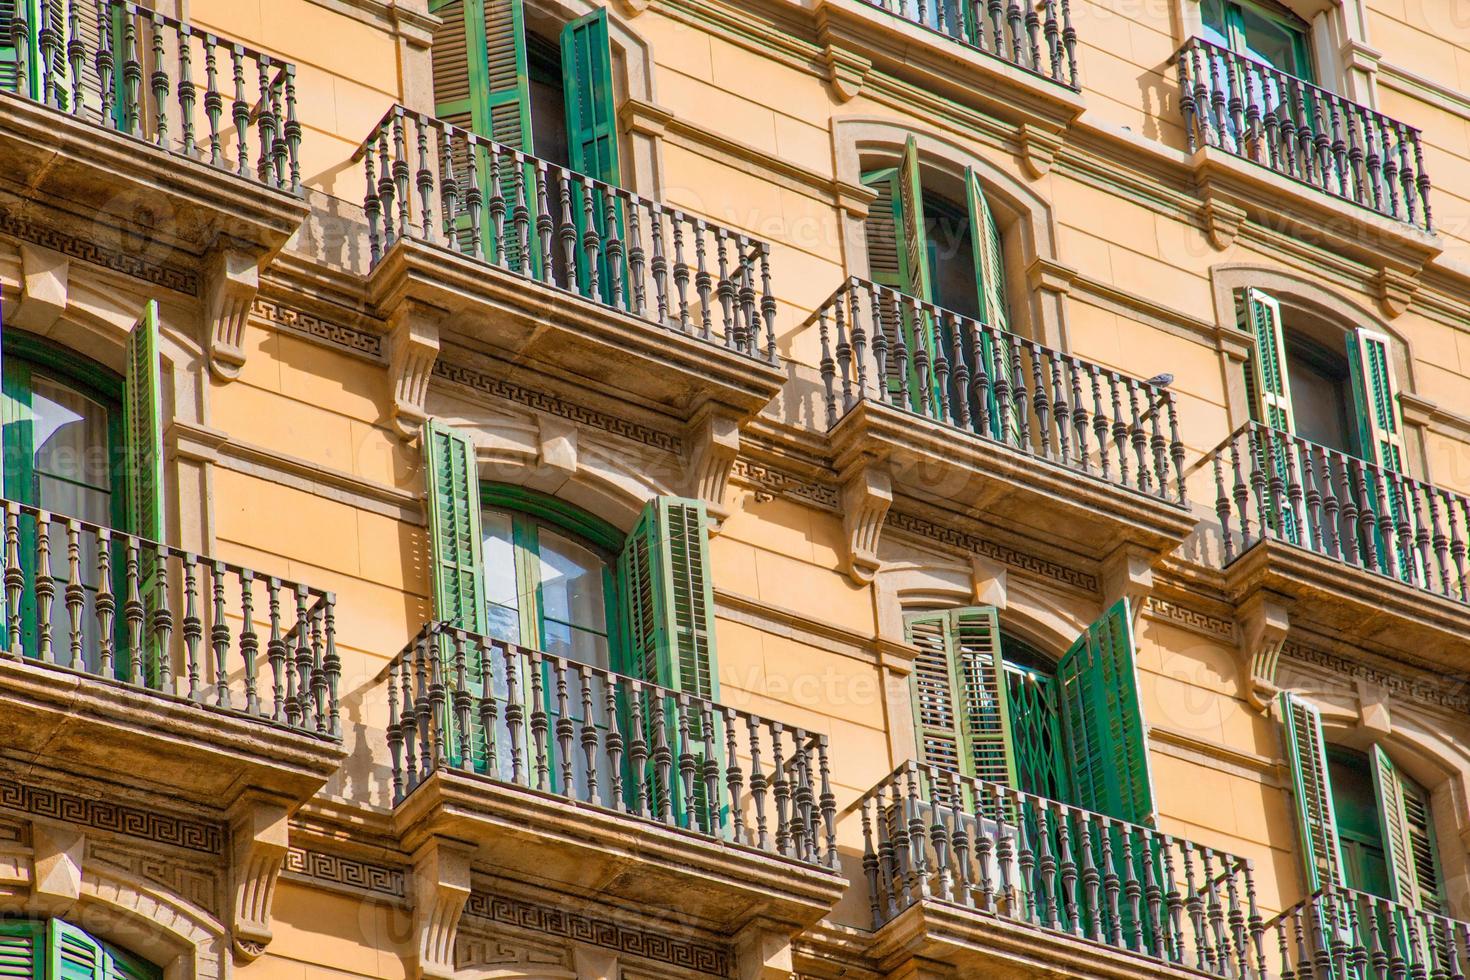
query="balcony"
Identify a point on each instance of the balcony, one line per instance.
(1301, 132)
(1345, 933)
(597, 784)
(990, 881)
(144, 136)
(1363, 550)
(984, 425)
(198, 679)
(553, 274)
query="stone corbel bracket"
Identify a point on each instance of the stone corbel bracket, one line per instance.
(1221, 220)
(45, 281)
(1038, 147)
(866, 496)
(441, 887)
(1127, 573)
(413, 347)
(231, 280)
(1395, 289)
(714, 442)
(1262, 622)
(847, 72)
(763, 951)
(259, 837)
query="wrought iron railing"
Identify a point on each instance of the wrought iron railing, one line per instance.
(929, 834)
(1270, 485)
(880, 344)
(1037, 37)
(95, 601)
(467, 703)
(1302, 131)
(124, 67)
(442, 185)
(1339, 932)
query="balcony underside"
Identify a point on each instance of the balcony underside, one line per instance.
(538, 331)
(1015, 496)
(57, 720)
(975, 944)
(595, 853)
(1338, 599)
(152, 200)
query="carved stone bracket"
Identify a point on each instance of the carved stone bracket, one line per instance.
(441, 886)
(763, 952)
(867, 493)
(1222, 221)
(632, 8)
(847, 72)
(413, 347)
(231, 280)
(1039, 146)
(1395, 289)
(1128, 574)
(714, 442)
(45, 278)
(57, 852)
(1263, 619)
(260, 837)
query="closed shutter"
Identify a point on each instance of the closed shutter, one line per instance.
(453, 488)
(1380, 424)
(961, 712)
(1306, 754)
(1102, 720)
(22, 946)
(1408, 836)
(1270, 389)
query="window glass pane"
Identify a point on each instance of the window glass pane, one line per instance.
(1320, 397)
(575, 644)
(1212, 21)
(500, 576)
(72, 464)
(1271, 41)
(1355, 805)
(951, 256)
(571, 577)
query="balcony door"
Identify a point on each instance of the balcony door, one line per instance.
(1264, 31)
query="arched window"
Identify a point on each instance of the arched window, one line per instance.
(1365, 824)
(1329, 383)
(991, 706)
(57, 950)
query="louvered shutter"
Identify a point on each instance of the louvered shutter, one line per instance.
(668, 601)
(22, 950)
(10, 56)
(1423, 848)
(508, 91)
(1306, 754)
(587, 83)
(1408, 836)
(880, 231)
(1102, 720)
(1270, 389)
(990, 269)
(1380, 423)
(143, 428)
(453, 487)
(481, 81)
(961, 712)
(125, 966)
(72, 954)
(455, 62)
(913, 252)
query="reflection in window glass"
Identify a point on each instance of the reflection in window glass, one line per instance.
(501, 594)
(71, 462)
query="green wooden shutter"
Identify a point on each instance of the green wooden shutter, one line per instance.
(1380, 424)
(143, 428)
(1408, 836)
(990, 270)
(9, 55)
(508, 79)
(961, 712)
(453, 487)
(1306, 754)
(22, 950)
(456, 62)
(72, 954)
(587, 83)
(913, 253)
(880, 230)
(481, 80)
(1102, 720)
(1270, 389)
(1423, 848)
(669, 599)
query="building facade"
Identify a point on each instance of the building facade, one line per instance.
(686, 489)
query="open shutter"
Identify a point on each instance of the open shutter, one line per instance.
(10, 56)
(961, 713)
(22, 946)
(1270, 389)
(1408, 836)
(143, 428)
(1380, 424)
(1423, 849)
(913, 252)
(990, 269)
(481, 81)
(72, 954)
(592, 134)
(669, 598)
(457, 64)
(453, 487)
(1306, 753)
(1103, 722)
(508, 91)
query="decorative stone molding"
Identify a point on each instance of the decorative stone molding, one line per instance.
(232, 278)
(1395, 289)
(1191, 619)
(57, 853)
(337, 871)
(140, 822)
(1039, 146)
(45, 276)
(714, 442)
(441, 887)
(1433, 689)
(336, 335)
(88, 249)
(770, 482)
(847, 72)
(763, 952)
(866, 496)
(1127, 574)
(260, 836)
(413, 349)
(1049, 275)
(632, 8)
(1263, 621)
(1222, 221)
(989, 580)
(953, 537)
